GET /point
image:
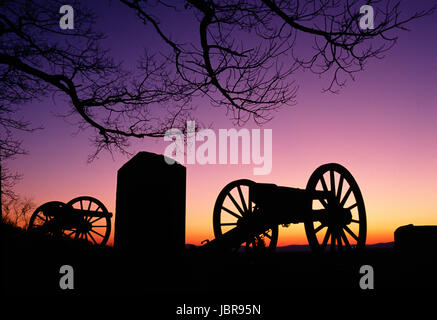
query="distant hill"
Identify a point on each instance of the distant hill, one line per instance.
(294, 248)
(384, 245)
(306, 248)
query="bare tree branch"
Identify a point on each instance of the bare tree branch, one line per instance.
(242, 59)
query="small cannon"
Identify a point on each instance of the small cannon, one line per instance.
(331, 207)
(81, 218)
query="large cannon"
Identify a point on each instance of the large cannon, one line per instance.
(331, 207)
(81, 218)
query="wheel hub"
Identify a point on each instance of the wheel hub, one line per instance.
(84, 226)
(339, 217)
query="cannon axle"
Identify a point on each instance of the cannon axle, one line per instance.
(81, 218)
(331, 207)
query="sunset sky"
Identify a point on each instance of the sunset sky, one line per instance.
(382, 127)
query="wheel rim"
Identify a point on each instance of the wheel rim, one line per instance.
(93, 229)
(232, 205)
(42, 217)
(344, 226)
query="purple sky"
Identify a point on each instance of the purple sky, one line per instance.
(382, 127)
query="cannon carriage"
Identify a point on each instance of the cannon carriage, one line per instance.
(81, 218)
(248, 214)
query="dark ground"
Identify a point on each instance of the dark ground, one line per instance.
(30, 266)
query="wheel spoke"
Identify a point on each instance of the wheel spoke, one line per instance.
(319, 228)
(97, 233)
(340, 187)
(235, 204)
(325, 240)
(42, 218)
(242, 199)
(340, 244)
(97, 219)
(351, 233)
(325, 188)
(333, 183)
(346, 241)
(231, 212)
(346, 196)
(333, 236)
(237, 200)
(323, 202)
(250, 203)
(92, 238)
(332, 179)
(352, 206)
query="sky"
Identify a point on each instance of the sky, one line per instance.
(382, 127)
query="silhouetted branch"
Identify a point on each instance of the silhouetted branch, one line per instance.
(339, 42)
(17, 211)
(245, 52)
(242, 59)
(37, 58)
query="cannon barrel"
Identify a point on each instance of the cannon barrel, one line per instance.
(287, 205)
(79, 212)
(91, 213)
(83, 217)
(271, 205)
(331, 207)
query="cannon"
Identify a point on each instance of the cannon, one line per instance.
(248, 214)
(81, 218)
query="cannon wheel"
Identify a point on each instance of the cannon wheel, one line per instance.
(340, 234)
(98, 227)
(39, 221)
(234, 202)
